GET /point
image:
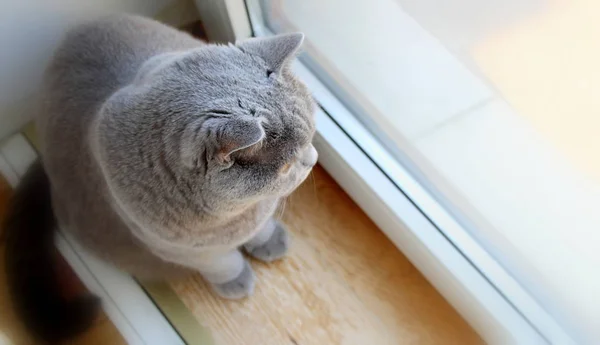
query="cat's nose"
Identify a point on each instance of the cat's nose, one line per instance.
(309, 156)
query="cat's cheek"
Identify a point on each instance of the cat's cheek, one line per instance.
(304, 176)
(296, 180)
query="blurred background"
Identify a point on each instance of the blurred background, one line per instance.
(495, 107)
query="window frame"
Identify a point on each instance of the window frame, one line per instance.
(498, 307)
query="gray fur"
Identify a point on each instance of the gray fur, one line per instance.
(239, 287)
(270, 244)
(167, 154)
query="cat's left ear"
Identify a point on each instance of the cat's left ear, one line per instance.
(277, 51)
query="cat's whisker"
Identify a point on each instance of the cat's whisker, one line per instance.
(313, 181)
(282, 206)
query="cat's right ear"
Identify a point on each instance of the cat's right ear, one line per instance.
(219, 138)
(237, 134)
(277, 51)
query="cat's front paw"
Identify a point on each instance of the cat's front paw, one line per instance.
(275, 248)
(240, 287)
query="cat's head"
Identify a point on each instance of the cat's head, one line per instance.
(216, 128)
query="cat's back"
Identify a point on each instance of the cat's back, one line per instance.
(94, 60)
(98, 57)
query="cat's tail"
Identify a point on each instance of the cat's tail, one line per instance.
(31, 265)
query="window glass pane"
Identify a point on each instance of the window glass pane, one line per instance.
(497, 103)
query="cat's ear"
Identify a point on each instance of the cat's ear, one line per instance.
(220, 137)
(237, 134)
(277, 51)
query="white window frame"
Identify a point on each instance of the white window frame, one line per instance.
(497, 306)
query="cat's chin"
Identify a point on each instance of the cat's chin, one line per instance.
(298, 184)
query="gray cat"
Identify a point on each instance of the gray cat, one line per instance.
(165, 154)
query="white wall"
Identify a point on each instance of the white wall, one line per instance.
(29, 31)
